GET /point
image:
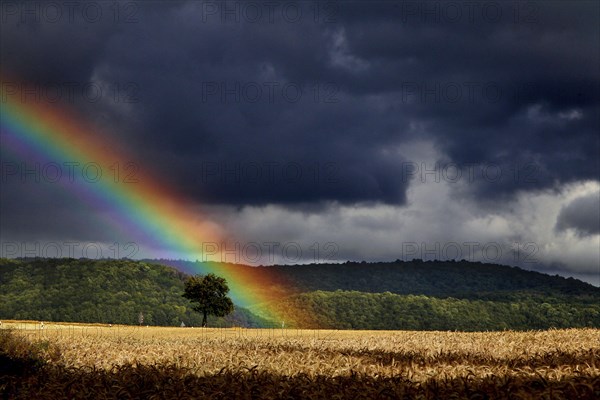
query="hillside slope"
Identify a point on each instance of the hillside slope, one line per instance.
(108, 291)
(432, 295)
(400, 295)
(360, 310)
(458, 279)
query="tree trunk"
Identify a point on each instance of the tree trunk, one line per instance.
(204, 319)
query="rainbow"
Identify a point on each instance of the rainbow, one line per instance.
(147, 210)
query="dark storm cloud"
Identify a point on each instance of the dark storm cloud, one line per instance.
(27, 211)
(300, 110)
(538, 123)
(45, 45)
(582, 215)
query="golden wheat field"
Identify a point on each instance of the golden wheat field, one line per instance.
(97, 361)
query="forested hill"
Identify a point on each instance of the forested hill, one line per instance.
(433, 295)
(106, 291)
(459, 279)
(398, 295)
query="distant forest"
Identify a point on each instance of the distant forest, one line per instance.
(432, 295)
(107, 291)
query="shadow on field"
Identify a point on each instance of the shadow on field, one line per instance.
(164, 382)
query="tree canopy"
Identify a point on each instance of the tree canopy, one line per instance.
(208, 293)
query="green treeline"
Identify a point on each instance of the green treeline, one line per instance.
(458, 279)
(400, 295)
(105, 291)
(359, 310)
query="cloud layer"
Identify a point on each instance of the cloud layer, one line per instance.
(365, 123)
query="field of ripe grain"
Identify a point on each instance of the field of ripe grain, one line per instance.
(147, 362)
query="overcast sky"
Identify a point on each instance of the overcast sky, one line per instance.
(336, 130)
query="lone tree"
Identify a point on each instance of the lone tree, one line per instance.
(210, 294)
